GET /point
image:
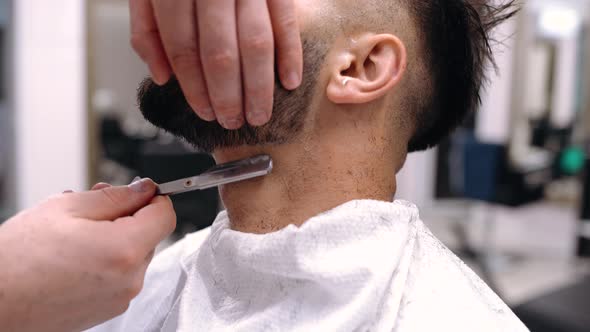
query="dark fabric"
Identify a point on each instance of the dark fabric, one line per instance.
(565, 310)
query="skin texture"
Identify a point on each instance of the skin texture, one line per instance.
(222, 52)
(350, 139)
(350, 147)
(78, 259)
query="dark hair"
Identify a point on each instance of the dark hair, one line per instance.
(457, 37)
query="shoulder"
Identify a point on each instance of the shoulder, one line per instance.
(454, 297)
(171, 258)
(164, 279)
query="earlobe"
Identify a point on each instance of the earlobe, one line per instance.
(366, 69)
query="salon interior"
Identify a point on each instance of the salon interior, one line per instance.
(509, 192)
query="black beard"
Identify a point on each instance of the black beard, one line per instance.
(166, 107)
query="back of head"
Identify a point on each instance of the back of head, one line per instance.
(448, 46)
(449, 49)
(456, 43)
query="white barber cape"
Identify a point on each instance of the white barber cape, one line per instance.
(364, 266)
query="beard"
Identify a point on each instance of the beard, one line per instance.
(166, 107)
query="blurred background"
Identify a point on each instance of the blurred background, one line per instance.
(509, 192)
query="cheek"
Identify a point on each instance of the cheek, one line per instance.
(307, 11)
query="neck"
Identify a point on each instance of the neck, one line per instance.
(308, 179)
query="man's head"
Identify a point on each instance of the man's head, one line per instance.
(414, 66)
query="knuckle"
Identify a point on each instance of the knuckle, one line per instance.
(112, 196)
(129, 290)
(125, 260)
(288, 22)
(133, 290)
(54, 200)
(58, 204)
(188, 57)
(220, 59)
(171, 226)
(121, 307)
(171, 220)
(257, 44)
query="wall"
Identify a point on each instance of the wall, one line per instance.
(49, 98)
(114, 67)
(586, 96)
(495, 115)
(417, 180)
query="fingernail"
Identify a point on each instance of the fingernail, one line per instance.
(164, 76)
(141, 186)
(293, 81)
(233, 123)
(137, 178)
(257, 118)
(208, 114)
(159, 79)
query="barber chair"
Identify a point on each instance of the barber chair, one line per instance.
(567, 309)
(584, 238)
(564, 310)
(482, 174)
(489, 176)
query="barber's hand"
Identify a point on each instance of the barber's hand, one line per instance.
(222, 53)
(78, 259)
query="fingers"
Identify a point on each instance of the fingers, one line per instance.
(150, 225)
(100, 186)
(178, 28)
(110, 203)
(145, 39)
(257, 59)
(288, 42)
(97, 186)
(224, 61)
(220, 57)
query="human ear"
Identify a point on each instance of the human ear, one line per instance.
(366, 69)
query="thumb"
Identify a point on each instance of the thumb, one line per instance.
(148, 226)
(113, 202)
